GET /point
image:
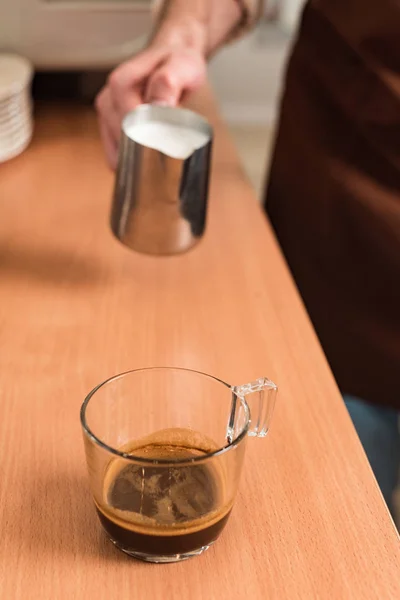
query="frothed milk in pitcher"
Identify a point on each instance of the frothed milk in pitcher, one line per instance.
(176, 141)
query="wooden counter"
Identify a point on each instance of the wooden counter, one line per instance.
(77, 307)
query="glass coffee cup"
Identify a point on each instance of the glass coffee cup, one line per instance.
(165, 449)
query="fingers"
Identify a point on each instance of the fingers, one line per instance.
(179, 74)
(108, 112)
(110, 145)
(122, 93)
(110, 125)
(126, 83)
(153, 76)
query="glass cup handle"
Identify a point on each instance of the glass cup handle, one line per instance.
(260, 396)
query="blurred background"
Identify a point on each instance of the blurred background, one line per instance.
(74, 43)
(247, 78)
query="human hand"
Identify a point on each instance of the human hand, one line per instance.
(158, 75)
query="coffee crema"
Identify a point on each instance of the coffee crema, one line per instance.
(165, 509)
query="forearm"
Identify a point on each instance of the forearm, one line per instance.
(199, 25)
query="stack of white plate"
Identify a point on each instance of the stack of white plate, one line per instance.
(16, 123)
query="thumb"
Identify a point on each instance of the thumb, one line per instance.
(176, 76)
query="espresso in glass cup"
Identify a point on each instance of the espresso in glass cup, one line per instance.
(165, 449)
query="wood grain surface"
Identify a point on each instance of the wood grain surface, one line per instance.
(77, 307)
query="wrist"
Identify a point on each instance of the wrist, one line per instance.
(185, 34)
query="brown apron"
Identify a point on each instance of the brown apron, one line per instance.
(334, 189)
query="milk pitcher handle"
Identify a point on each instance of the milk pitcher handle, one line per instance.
(260, 396)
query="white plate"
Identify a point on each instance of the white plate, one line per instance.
(14, 116)
(7, 146)
(16, 124)
(12, 150)
(16, 134)
(15, 74)
(12, 133)
(16, 103)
